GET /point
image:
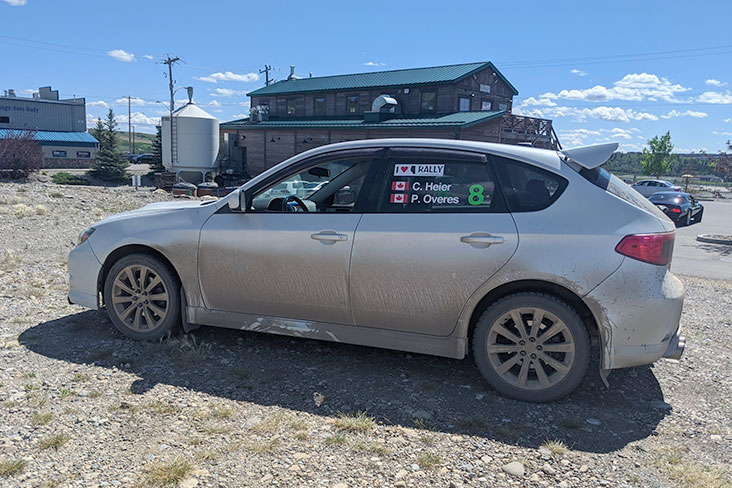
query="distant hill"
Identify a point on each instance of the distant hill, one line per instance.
(143, 142)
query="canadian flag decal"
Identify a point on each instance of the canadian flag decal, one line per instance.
(400, 186)
(398, 198)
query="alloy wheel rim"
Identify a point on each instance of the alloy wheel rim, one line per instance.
(139, 298)
(531, 348)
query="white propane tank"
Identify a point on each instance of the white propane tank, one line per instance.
(195, 137)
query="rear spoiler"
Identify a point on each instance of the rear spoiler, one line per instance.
(590, 157)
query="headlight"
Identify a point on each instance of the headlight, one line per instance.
(86, 234)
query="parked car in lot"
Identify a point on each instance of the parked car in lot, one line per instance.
(430, 246)
(680, 207)
(144, 158)
(649, 187)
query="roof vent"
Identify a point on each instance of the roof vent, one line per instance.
(384, 101)
(292, 73)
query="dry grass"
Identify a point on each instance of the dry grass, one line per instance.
(270, 424)
(9, 260)
(22, 210)
(41, 210)
(370, 447)
(355, 422)
(690, 474)
(54, 442)
(167, 473)
(41, 418)
(427, 460)
(79, 377)
(221, 412)
(160, 408)
(11, 467)
(264, 447)
(556, 447)
(187, 350)
(336, 440)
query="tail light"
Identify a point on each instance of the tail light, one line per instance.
(649, 248)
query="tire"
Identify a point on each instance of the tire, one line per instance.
(698, 217)
(562, 370)
(687, 222)
(156, 318)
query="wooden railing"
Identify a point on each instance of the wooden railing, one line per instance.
(538, 132)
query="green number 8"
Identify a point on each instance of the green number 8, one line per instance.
(476, 195)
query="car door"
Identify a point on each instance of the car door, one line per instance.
(435, 230)
(292, 264)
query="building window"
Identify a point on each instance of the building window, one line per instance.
(319, 106)
(290, 106)
(429, 101)
(485, 88)
(464, 104)
(83, 154)
(502, 106)
(486, 105)
(4, 120)
(58, 154)
(352, 104)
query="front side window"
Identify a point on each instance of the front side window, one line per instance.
(332, 186)
(58, 154)
(290, 106)
(464, 104)
(432, 182)
(319, 106)
(352, 104)
(527, 188)
(429, 101)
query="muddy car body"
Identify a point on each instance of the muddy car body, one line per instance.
(429, 246)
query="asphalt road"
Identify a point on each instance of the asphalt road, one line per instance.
(694, 258)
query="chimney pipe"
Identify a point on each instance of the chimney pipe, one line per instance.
(292, 72)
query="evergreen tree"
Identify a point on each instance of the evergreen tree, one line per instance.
(111, 165)
(657, 161)
(156, 165)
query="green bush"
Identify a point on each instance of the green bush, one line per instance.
(64, 178)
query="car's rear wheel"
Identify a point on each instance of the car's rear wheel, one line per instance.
(687, 220)
(141, 294)
(698, 217)
(532, 347)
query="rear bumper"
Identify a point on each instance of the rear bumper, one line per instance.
(638, 310)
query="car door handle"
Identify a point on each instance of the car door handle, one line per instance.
(486, 240)
(329, 236)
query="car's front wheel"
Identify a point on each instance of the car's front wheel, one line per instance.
(532, 347)
(141, 294)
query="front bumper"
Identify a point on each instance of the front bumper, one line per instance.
(638, 310)
(84, 270)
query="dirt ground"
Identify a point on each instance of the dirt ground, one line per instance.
(80, 405)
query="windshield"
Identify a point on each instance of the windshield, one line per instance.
(667, 198)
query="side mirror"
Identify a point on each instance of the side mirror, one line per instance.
(238, 200)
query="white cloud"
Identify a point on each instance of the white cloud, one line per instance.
(713, 82)
(577, 137)
(715, 97)
(613, 114)
(687, 113)
(722, 133)
(16, 3)
(240, 116)
(226, 92)
(229, 76)
(538, 102)
(373, 63)
(99, 103)
(138, 118)
(137, 102)
(728, 120)
(578, 72)
(121, 55)
(214, 103)
(147, 56)
(632, 87)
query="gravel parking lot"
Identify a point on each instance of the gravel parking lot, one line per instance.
(82, 406)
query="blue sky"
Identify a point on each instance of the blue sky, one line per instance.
(621, 70)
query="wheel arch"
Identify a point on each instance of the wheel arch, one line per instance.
(540, 286)
(126, 250)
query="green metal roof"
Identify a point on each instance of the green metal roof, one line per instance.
(377, 79)
(457, 119)
(48, 136)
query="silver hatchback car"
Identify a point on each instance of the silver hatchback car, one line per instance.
(526, 257)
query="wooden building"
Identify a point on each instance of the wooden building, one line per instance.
(464, 101)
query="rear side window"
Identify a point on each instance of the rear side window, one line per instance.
(421, 181)
(527, 188)
(612, 184)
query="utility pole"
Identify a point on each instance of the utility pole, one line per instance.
(266, 71)
(129, 124)
(170, 62)
(133, 140)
